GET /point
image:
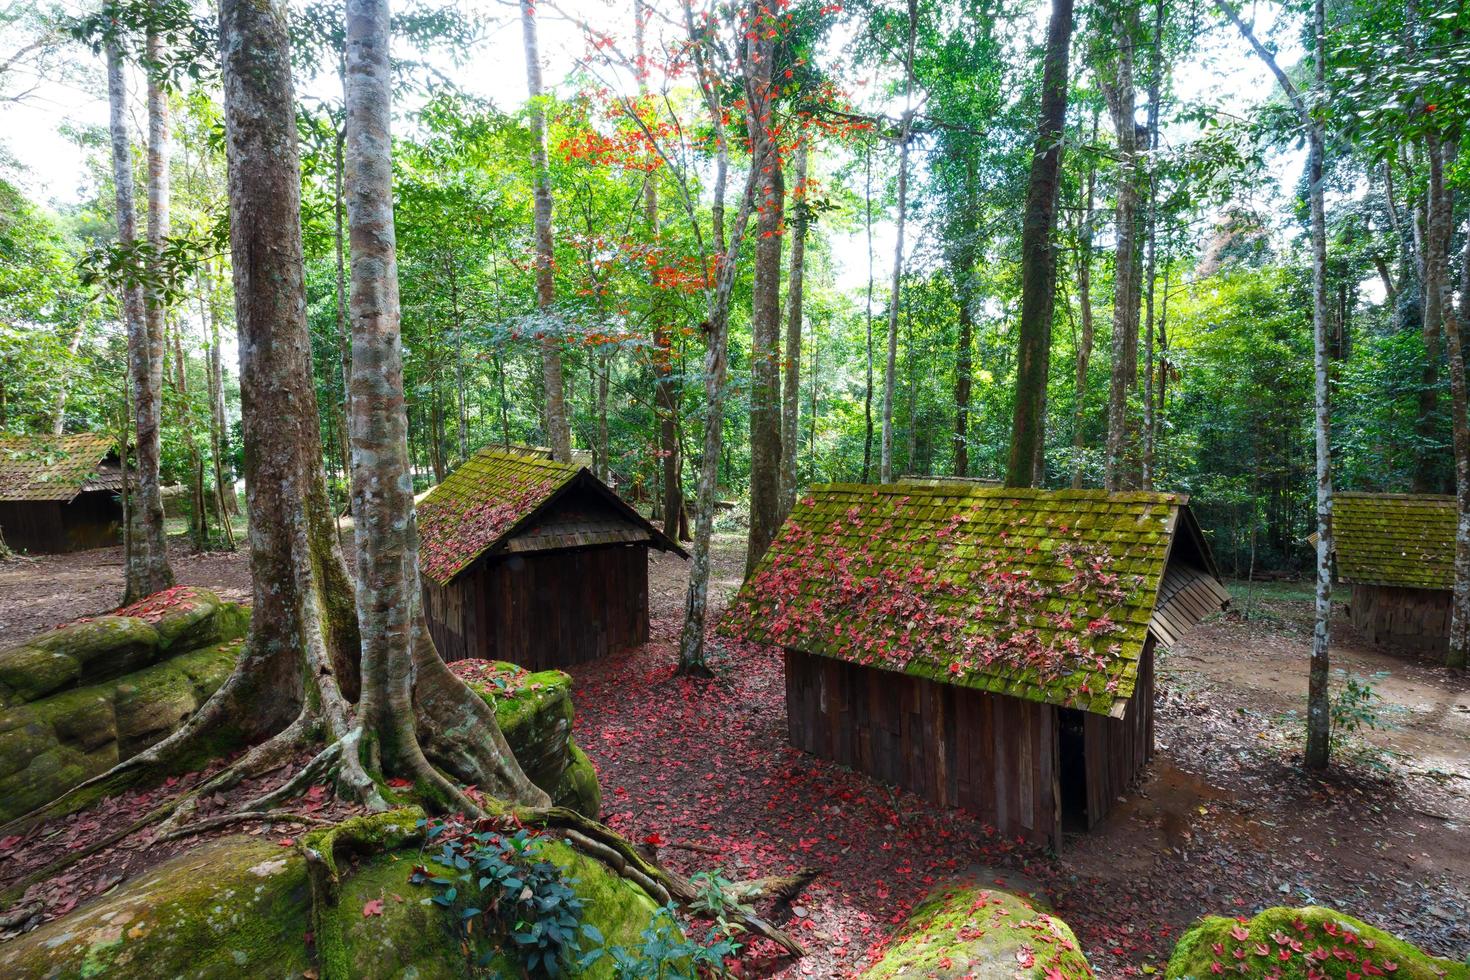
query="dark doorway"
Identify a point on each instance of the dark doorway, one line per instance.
(1072, 768)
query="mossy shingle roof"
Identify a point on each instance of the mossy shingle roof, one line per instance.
(1404, 540)
(47, 468)
(1043, 595)
(501, 500)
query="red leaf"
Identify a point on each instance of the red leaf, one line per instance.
(373, 907)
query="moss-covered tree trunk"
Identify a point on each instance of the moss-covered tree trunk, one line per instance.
(791, 380)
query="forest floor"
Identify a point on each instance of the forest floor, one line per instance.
(1225, 821)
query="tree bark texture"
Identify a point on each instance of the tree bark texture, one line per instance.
(791, 382)
(558, 431)
(905, 133)
(765, 314)
(1118, 87)
(1085, 341)
(147, 570)
(1038, 257)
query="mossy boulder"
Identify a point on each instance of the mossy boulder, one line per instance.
(50, 745)
(535, 715)
(966, 929)
(242, 906)
(231, 908)
(1295, 944)
(90, 651)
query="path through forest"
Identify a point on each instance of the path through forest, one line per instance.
(1225, 822)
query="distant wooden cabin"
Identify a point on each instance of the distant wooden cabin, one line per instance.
(59, 493)
(986, 648)
(1397, 551)
(533, 561)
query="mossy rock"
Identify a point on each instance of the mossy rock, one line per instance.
(95, 650)
(966, 929)
(231, 908)
(416, 938)
(578, 788)
(50, 745)
(1293, 944)
(534, 711)
(241, 907)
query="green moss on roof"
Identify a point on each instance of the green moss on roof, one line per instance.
(1042, 595)
(1404, 540)
(49, 467)
(479, 503)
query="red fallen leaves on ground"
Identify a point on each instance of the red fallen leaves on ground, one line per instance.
(372, 907)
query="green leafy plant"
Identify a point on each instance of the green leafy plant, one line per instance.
(525, 901)
(665, 952)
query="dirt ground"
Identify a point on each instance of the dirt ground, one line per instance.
(1224, 822)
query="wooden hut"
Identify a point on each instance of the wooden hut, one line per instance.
(1397, 551)
(59, 493)
(986, 648)
(533, 561)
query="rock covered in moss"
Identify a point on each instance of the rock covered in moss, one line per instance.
(535, 715)
(231, 908)
(966, 929)
(48, 746)
(1300, 944)
(242, 907)
(105, 647)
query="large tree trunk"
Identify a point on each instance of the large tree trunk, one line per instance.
(791, 383)
(224, 489)
(765, 314)
(406, 689)
(1038, 257)
(558, 432)
(147, 568)
(905, 131)
(868, 318)
(1151, 231)
(963, 383)
(1118, 88)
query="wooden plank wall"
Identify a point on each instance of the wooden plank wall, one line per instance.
(33, 526)
(1414, 620)
(992, 755)
(544, 610)
(1115, 750)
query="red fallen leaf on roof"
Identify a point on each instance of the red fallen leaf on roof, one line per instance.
(373, 907)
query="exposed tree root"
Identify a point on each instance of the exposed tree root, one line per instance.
(242, 816)
(781, 889)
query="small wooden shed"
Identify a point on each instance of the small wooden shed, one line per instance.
(1397, 551)
(986, 648)
(533, 561)
(59, 493)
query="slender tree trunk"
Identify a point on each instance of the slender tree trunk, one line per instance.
(868, 316)
(1038, 257)
(765, 315)
(1155, 83)
(1440, 296)
(344, 334)
(1119, 90)
(791, 385)
(890, 374)
(696, 606)
(963, 382)
(1085, 342)
(1319, 718)
(218, 423)
(58, 409)
(558, 432)
(147, 568)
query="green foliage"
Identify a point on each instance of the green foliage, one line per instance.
(1354, 708)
